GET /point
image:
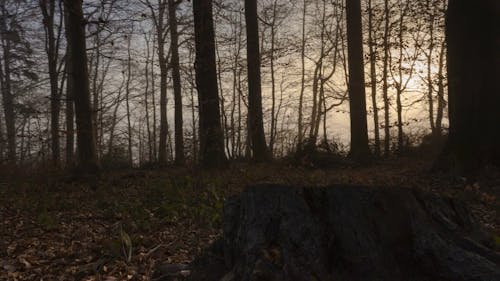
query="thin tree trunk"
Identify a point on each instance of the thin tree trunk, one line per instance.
(240, 117)
(385, 86)
(127, 103)
(303, 76)
(399, 111)
(52, 50)
(399, 84)
(8, 106)
(273, 84)
(7, 96)
(146, 102)
(158, 18)
(222, 99)
(153, 101)
(234, 95)
(114, 117)
(2, 147)
(373, 77)
(176, 77)
(70, 113)
(95, 92)
(441, 100)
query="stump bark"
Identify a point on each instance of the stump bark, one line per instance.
(274, 232)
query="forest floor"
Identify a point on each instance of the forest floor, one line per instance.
(55, 229)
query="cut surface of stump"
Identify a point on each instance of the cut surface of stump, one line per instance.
(275, 232)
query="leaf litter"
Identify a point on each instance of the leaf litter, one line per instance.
(137, 219)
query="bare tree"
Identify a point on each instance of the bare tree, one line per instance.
(52, 40)
(373, 75)
(176, 79)
(6, 36)
(158, 15)
(70, 109)
(385, 77)
(300, 126)
(357, 96)
(87, 159)
(210, 132)
(473, 95)
(255, 122)
(127, 100)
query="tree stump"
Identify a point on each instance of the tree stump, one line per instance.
(274, 232)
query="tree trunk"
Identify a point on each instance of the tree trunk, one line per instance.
(275, 232)
(385, 86)
(357, 96)
(70, 114)
(114, 118)
(474, 94)
(373, 78)
(256, 124)
(2, 141)
(441, 101)
(7, 95)
(52, 50)
(400, 87)
(430, 84)
(210, 131)
(158, 18)
(399, 113)
(272, 135)
(146, 102)
(153, 101)
(88, 162)
(176, 78)
(300, 128)
(94, 89)
(127, 103)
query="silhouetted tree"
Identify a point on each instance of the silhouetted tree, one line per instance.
(255, 123)
(70, 102)
(385, 72)
(52, 40)
(357, 96)
(17, 70)
(210, 131)
(8, 36)
(158, 15)
(474, 94)
(176, 78)
(87, 155)
(373, 76)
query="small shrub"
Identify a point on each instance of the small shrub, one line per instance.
(322, 155)
(115, 159)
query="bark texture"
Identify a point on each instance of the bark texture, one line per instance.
(87, 154)
(473, 89)
(357, 95)
(210, 130)
(274, 232)
(176, 78)
(255, 122)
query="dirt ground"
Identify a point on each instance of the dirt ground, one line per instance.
(52, 228)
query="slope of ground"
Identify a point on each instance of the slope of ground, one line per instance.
(55, 229)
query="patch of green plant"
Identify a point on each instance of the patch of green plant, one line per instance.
(496, 240)
(141, 218)
(47, 220)
(208, 207)
(168, 211)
